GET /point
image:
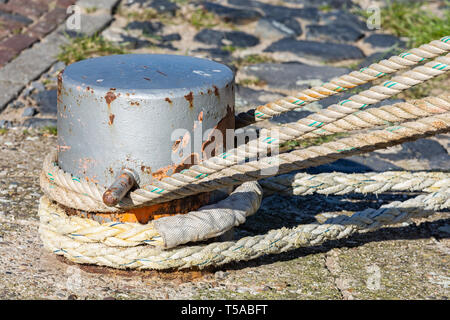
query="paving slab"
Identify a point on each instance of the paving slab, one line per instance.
(405, 261)
(293, 75)
(8, 92)
(314, 50)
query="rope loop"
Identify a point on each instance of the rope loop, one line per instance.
(163, 243)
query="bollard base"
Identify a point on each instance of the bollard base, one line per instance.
(145, 214)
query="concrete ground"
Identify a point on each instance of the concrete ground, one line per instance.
(406, 261)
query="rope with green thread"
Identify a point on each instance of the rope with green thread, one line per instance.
(342, 83)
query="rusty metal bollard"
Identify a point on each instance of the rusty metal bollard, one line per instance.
(126, 120)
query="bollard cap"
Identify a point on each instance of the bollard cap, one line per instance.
(120, 112)
(148, 74)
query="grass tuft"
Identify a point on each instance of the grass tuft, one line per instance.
(255, 59)
(49, 130)
(295, 144)
(201, 18)
(81, 48)
(251, 82)
(229, 48)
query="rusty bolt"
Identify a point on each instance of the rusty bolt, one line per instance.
(119, 188)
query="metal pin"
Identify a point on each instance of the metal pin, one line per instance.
(119, 188)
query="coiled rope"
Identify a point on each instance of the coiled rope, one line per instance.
(149, 246)
(218, 253)
(63, 188)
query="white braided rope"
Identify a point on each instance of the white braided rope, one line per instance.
(133, 234)
(242, 202)
(342, 83)
(343, 183)
(179, 184)
(61, 186)
(218, 253)
(396, 113)
(297, 130)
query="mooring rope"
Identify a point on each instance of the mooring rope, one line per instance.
(133, 234)
(74, 193)
(374, 71)
(339, 183)
(396, 113)
(161, 244)
(205, 223)
(294, 131)
(365, 119)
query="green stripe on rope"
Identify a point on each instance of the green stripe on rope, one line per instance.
(346, 149)
(313, 124)
(404, 54)
(363, 106)
(157, 190)
(440, 68)
(299, 104)
(269, 140)
(391, 84)
(224, 155)
(259, 114)
(392, 129)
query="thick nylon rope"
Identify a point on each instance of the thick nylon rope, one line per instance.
(133, 234)
(297, 129)
(218, 253)
(348, 81)
(205, 223)
(183, 180)
(90, 246)
(396, 113)
(343, 183)
(63, 188)
(315, 122)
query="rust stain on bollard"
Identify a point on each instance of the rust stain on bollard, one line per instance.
(110, 97)
(111, 119)
(216, 92)
(190, 98)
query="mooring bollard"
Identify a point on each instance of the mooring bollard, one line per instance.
(126, 120)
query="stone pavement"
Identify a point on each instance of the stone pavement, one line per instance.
(275, 48)
(26, 22)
